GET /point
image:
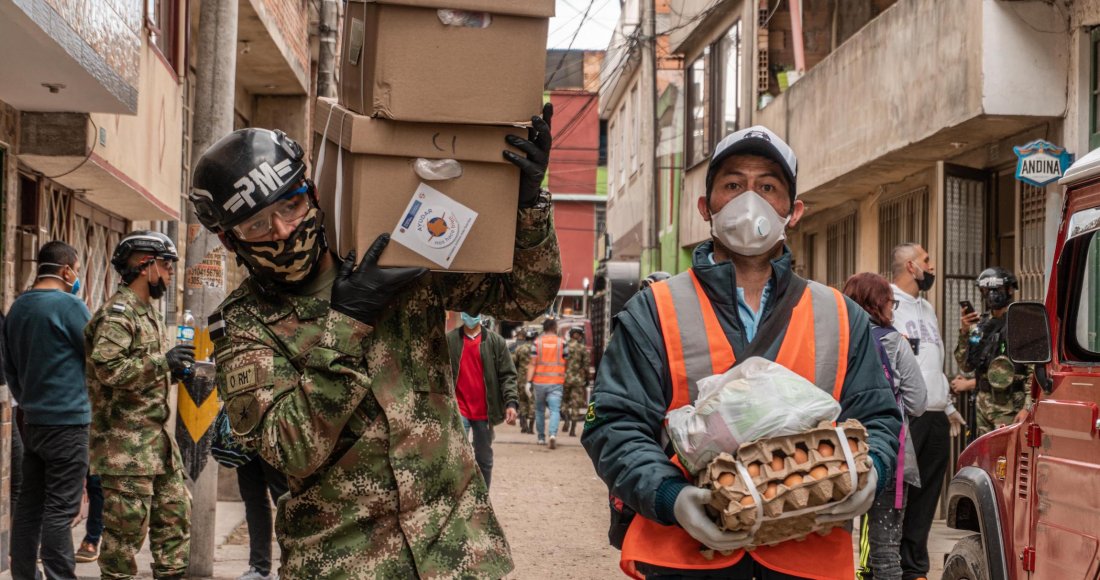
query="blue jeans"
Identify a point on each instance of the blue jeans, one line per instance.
(547, 395)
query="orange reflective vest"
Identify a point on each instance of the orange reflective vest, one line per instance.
(815, 346)
(549, 363)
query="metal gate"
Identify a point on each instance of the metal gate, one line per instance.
(1031, 263)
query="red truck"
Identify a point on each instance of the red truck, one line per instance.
(1030, 491)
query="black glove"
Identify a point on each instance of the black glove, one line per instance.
(537, 147)
(362, 293)
(180, 357)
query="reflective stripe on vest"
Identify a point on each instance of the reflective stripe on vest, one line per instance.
(549, 364)
(815, 345)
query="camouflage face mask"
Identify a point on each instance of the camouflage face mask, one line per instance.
(288, 261)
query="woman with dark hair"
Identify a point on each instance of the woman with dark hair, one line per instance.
(880, 534)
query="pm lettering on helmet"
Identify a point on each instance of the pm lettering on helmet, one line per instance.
(269, 179)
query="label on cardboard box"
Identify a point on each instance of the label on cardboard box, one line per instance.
(434, 225)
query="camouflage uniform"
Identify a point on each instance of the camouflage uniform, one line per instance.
(363, 419)
(137, 460)
(522, 358)
(576, 378)
(1003, 386)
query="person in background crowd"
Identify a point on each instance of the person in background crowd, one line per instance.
(880, 536)
(547, 375)
(577, 361)
(1002, 384)
(521, 358)
(485, 385)
(44, 366)
(131, 372)
(260, 484)
(931, 432)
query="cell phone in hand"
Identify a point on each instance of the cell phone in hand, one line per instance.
(967, 307)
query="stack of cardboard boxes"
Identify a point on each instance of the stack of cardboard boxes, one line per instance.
(428, 91)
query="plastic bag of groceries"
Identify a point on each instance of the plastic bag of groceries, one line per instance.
(754, 400)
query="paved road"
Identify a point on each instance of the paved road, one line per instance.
(551, 504)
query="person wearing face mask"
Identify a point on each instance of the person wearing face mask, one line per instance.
(485, 385)
(1002, 384)
(337, 372)
(931, 433)
(131, 370)
(739, 299)
(44, 366)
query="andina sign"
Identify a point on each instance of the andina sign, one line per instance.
(1041, 162)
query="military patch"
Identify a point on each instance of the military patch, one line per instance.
(118, 307)
(244, 414)
(216, 326)
(241, 379)
(590, 416)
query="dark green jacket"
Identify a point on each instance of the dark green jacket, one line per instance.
(633, 389)
(496, 366)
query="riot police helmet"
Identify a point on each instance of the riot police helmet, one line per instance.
(997, 286)
(244, 172)
(576, 330)
(157, 245)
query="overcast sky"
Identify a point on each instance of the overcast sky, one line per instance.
(595, 31)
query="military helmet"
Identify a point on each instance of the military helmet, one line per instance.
(996, 277)
(154, 243)
(576, 330)
(658, 276)
(532, 333)
(244, 172)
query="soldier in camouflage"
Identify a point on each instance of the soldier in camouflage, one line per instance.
(575, 400)
(1003, 386)
(128, 368)
(521, 358)
(339, 376)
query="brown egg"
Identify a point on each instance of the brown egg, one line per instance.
(771, 490)
(826, 449)
(793, 480)
(777, 461)
(820, 472)
(853, 444)
(844, 466)
(800, 456)
(754, 469)
(747, 501)
(726, 479)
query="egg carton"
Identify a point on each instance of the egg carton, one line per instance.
(793, 477)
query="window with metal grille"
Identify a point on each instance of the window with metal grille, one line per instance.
(901, 220)
(840, 251)
(1031, 264)
(964, 251)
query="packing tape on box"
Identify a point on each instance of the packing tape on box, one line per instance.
(319, 167)
(464, 18)
(437, 169)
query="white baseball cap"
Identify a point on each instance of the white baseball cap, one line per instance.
(756, 140)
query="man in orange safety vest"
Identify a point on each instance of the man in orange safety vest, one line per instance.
(546, 376)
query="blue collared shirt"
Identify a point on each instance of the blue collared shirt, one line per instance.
(750, 319)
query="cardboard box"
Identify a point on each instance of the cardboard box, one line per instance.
(379, 182)
(400, 61)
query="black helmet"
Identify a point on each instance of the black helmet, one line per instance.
(532, 333)
(658, 276)
(576, 330)
(997, 277)
(154, 243)
(242, 173)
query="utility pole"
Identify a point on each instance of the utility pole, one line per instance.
(205, 274)
(326, 60)
(649, 131)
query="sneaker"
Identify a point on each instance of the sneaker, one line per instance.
(542, 441)
(553, 442)
(88, 552)
(254, 574)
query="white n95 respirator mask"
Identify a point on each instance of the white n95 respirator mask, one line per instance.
(748, 225)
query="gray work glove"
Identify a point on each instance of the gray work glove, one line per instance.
(856, 505)
(691, 514)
